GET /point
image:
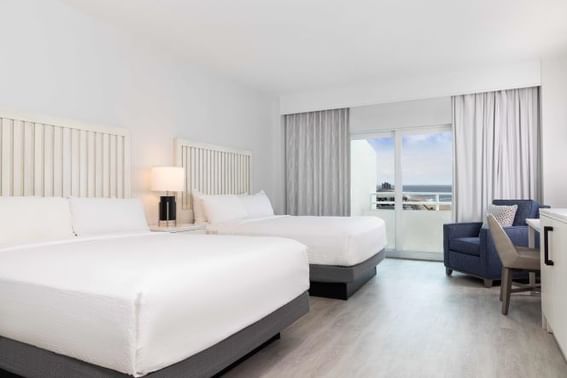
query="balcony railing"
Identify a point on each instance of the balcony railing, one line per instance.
(430, 201)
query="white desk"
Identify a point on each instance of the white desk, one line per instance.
(554, 274)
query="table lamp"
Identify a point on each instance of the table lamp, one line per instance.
(168, 180)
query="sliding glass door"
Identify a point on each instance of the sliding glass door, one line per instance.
(410, 172)
(373, 162)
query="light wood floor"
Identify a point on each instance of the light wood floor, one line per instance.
(412, 321)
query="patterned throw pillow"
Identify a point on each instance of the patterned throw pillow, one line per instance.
(504, 214)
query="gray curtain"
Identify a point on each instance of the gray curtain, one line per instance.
(317, 150)
(496, 149)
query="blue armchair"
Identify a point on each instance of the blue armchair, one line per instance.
(468, 248)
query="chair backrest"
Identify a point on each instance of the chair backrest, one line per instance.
(504, 246)
(526, 209)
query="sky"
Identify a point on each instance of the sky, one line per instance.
(426, 158)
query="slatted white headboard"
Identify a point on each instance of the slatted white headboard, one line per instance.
(213, 169)
(41, 157)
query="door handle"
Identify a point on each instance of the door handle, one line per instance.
(546, 259)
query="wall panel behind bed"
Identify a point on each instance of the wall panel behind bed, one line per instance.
(40, 157)
(212, 169)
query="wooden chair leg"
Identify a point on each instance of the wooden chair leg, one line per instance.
(507, 282)
(533, 282)
(502, 284)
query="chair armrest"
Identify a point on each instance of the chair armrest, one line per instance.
(461, 230)
(458, 230)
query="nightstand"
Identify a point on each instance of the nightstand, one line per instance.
(192, 228)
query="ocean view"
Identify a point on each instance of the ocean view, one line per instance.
(387, 187)
(428, 188)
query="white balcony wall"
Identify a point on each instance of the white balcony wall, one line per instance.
(422, 230)
(363, 176)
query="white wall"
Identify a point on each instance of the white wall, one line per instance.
(430, 112)
(446, 83)
(55, 61)
(554, 129)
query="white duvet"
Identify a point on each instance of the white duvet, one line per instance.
(139, 303)
(343, 241)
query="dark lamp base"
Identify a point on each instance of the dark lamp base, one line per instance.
(167, 209)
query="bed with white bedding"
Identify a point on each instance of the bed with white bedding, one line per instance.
(139, 303)
(342, 241)
(343, 251)
(115, 306)
(135, 302)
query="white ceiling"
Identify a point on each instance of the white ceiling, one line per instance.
(289, 46)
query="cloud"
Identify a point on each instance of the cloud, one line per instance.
(429, 138)
(426, 158)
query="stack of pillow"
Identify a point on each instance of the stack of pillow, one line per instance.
(230, 207)
(44, 219)
(28, 220)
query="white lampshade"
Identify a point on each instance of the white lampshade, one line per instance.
(168, 179)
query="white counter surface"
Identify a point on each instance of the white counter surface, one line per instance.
(559, 214)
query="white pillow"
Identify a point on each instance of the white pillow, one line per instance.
(223, 208)
(34, 219)
(102, 216)
(504, 214)
(199, 216)
(257, 205)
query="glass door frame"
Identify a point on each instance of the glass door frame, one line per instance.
(398, 134)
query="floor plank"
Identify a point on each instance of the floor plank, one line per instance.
(413, 321)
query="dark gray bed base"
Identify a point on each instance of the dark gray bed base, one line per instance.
(28, 361)
(340, 282)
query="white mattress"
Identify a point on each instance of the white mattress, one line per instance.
(139, 303)
(343, 241)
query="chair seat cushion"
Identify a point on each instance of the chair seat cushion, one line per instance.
(469, 246)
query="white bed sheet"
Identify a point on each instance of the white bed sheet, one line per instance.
(343, 241)
(138, 303)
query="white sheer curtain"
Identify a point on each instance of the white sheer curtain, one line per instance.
(317, 150)
(496, 149)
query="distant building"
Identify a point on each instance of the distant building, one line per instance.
(385, 187)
